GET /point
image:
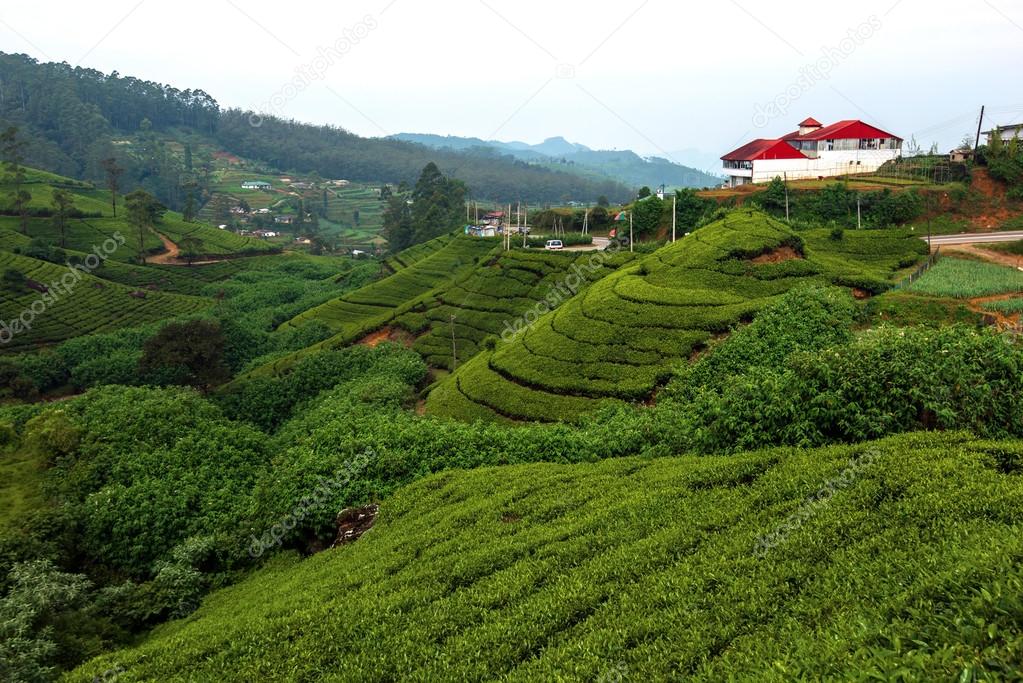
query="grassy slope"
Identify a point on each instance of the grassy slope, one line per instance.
(86, 233)
(618, 339)
(647, 570)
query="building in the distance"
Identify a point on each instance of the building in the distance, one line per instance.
(1007, 132)
(813, 151)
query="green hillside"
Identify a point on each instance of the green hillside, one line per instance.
(95, 222)
(488, 300)
(88, 306)
(892, 560)
(424, 268)
(619, 339)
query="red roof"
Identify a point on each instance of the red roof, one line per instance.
(810, 122)
(844, 130)
(764, 149)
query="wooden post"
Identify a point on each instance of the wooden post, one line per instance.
(980, 122)
(674, 199)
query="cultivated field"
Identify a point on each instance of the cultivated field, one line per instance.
(619, 338)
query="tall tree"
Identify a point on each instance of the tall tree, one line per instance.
(63, 204)
(190, 353)
(14, 156)
(438, 204)
(143, 212)
(398, 224)
(113, 172)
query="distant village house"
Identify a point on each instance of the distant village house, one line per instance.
(1005, 132)
(255, 185)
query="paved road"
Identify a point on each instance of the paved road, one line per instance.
(975, 237)
(599, 243)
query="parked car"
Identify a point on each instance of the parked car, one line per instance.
(554, 244)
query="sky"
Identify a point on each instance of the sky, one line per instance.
(673, 79)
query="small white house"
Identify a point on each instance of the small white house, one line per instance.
(255, 185)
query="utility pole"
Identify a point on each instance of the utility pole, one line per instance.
(674, 201)
(630, 230)
(859, 221)
(786, 175)
(980, 122)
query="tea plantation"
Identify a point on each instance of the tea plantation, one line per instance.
(890, 560)
(488, 300)
(92, 305)
(418, 272)
(619, 338)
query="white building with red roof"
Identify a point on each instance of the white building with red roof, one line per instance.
(813, 151)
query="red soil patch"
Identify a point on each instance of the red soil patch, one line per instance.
(779, 255)
(387, 334)
(860, 293)
(982, 182)
(227, 156)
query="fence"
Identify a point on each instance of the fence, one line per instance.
(921, 269)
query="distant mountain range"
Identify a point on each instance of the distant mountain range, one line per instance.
(558, 153)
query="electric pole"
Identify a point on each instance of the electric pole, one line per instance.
(786, 175)
(630, 230)
(980, 122)
(674, 216)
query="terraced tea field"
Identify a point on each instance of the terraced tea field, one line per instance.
(618, 339)
(371, 307)
(488, 300)
(682, 568)
(94, 305)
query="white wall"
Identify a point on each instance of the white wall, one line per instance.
(827, 164)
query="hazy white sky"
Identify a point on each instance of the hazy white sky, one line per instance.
(655, 76)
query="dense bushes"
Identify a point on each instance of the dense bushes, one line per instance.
(268, 402)
(836, 204)
(802, 380)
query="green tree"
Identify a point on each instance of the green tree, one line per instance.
(691, 208)
(191, 248)
(603, 202)
(438, 204)
(772, 199)
(113, 173)
(397, 224)
(37, 618)
(13, 149)
(63, 204)
(189, 353)
(647, 214)
(143, 213)
(644, 192)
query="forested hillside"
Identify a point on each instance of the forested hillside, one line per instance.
(73, 118)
